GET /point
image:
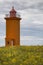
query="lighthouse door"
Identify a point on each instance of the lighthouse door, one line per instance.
(12, 42)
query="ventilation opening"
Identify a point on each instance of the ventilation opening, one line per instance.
(8, 42)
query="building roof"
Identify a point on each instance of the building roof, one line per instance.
(13, 10)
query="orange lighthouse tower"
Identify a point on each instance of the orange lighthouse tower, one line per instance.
(12, 28)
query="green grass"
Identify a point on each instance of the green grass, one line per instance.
(23, 55)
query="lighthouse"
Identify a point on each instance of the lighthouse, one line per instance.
(12, 28)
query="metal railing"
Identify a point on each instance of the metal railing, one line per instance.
(8, 15)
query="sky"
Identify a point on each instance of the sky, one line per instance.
(31, 25)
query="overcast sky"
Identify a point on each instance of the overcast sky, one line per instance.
(31, 28)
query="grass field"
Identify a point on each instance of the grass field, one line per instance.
(23, 55)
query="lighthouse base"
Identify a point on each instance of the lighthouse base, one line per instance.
(11, 42)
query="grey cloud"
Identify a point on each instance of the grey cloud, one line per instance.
(35, 30)
(38, 6)
(2, 28)
(20, 5)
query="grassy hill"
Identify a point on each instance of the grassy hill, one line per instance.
(23, 55)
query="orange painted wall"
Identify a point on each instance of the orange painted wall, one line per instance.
(13, 30)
